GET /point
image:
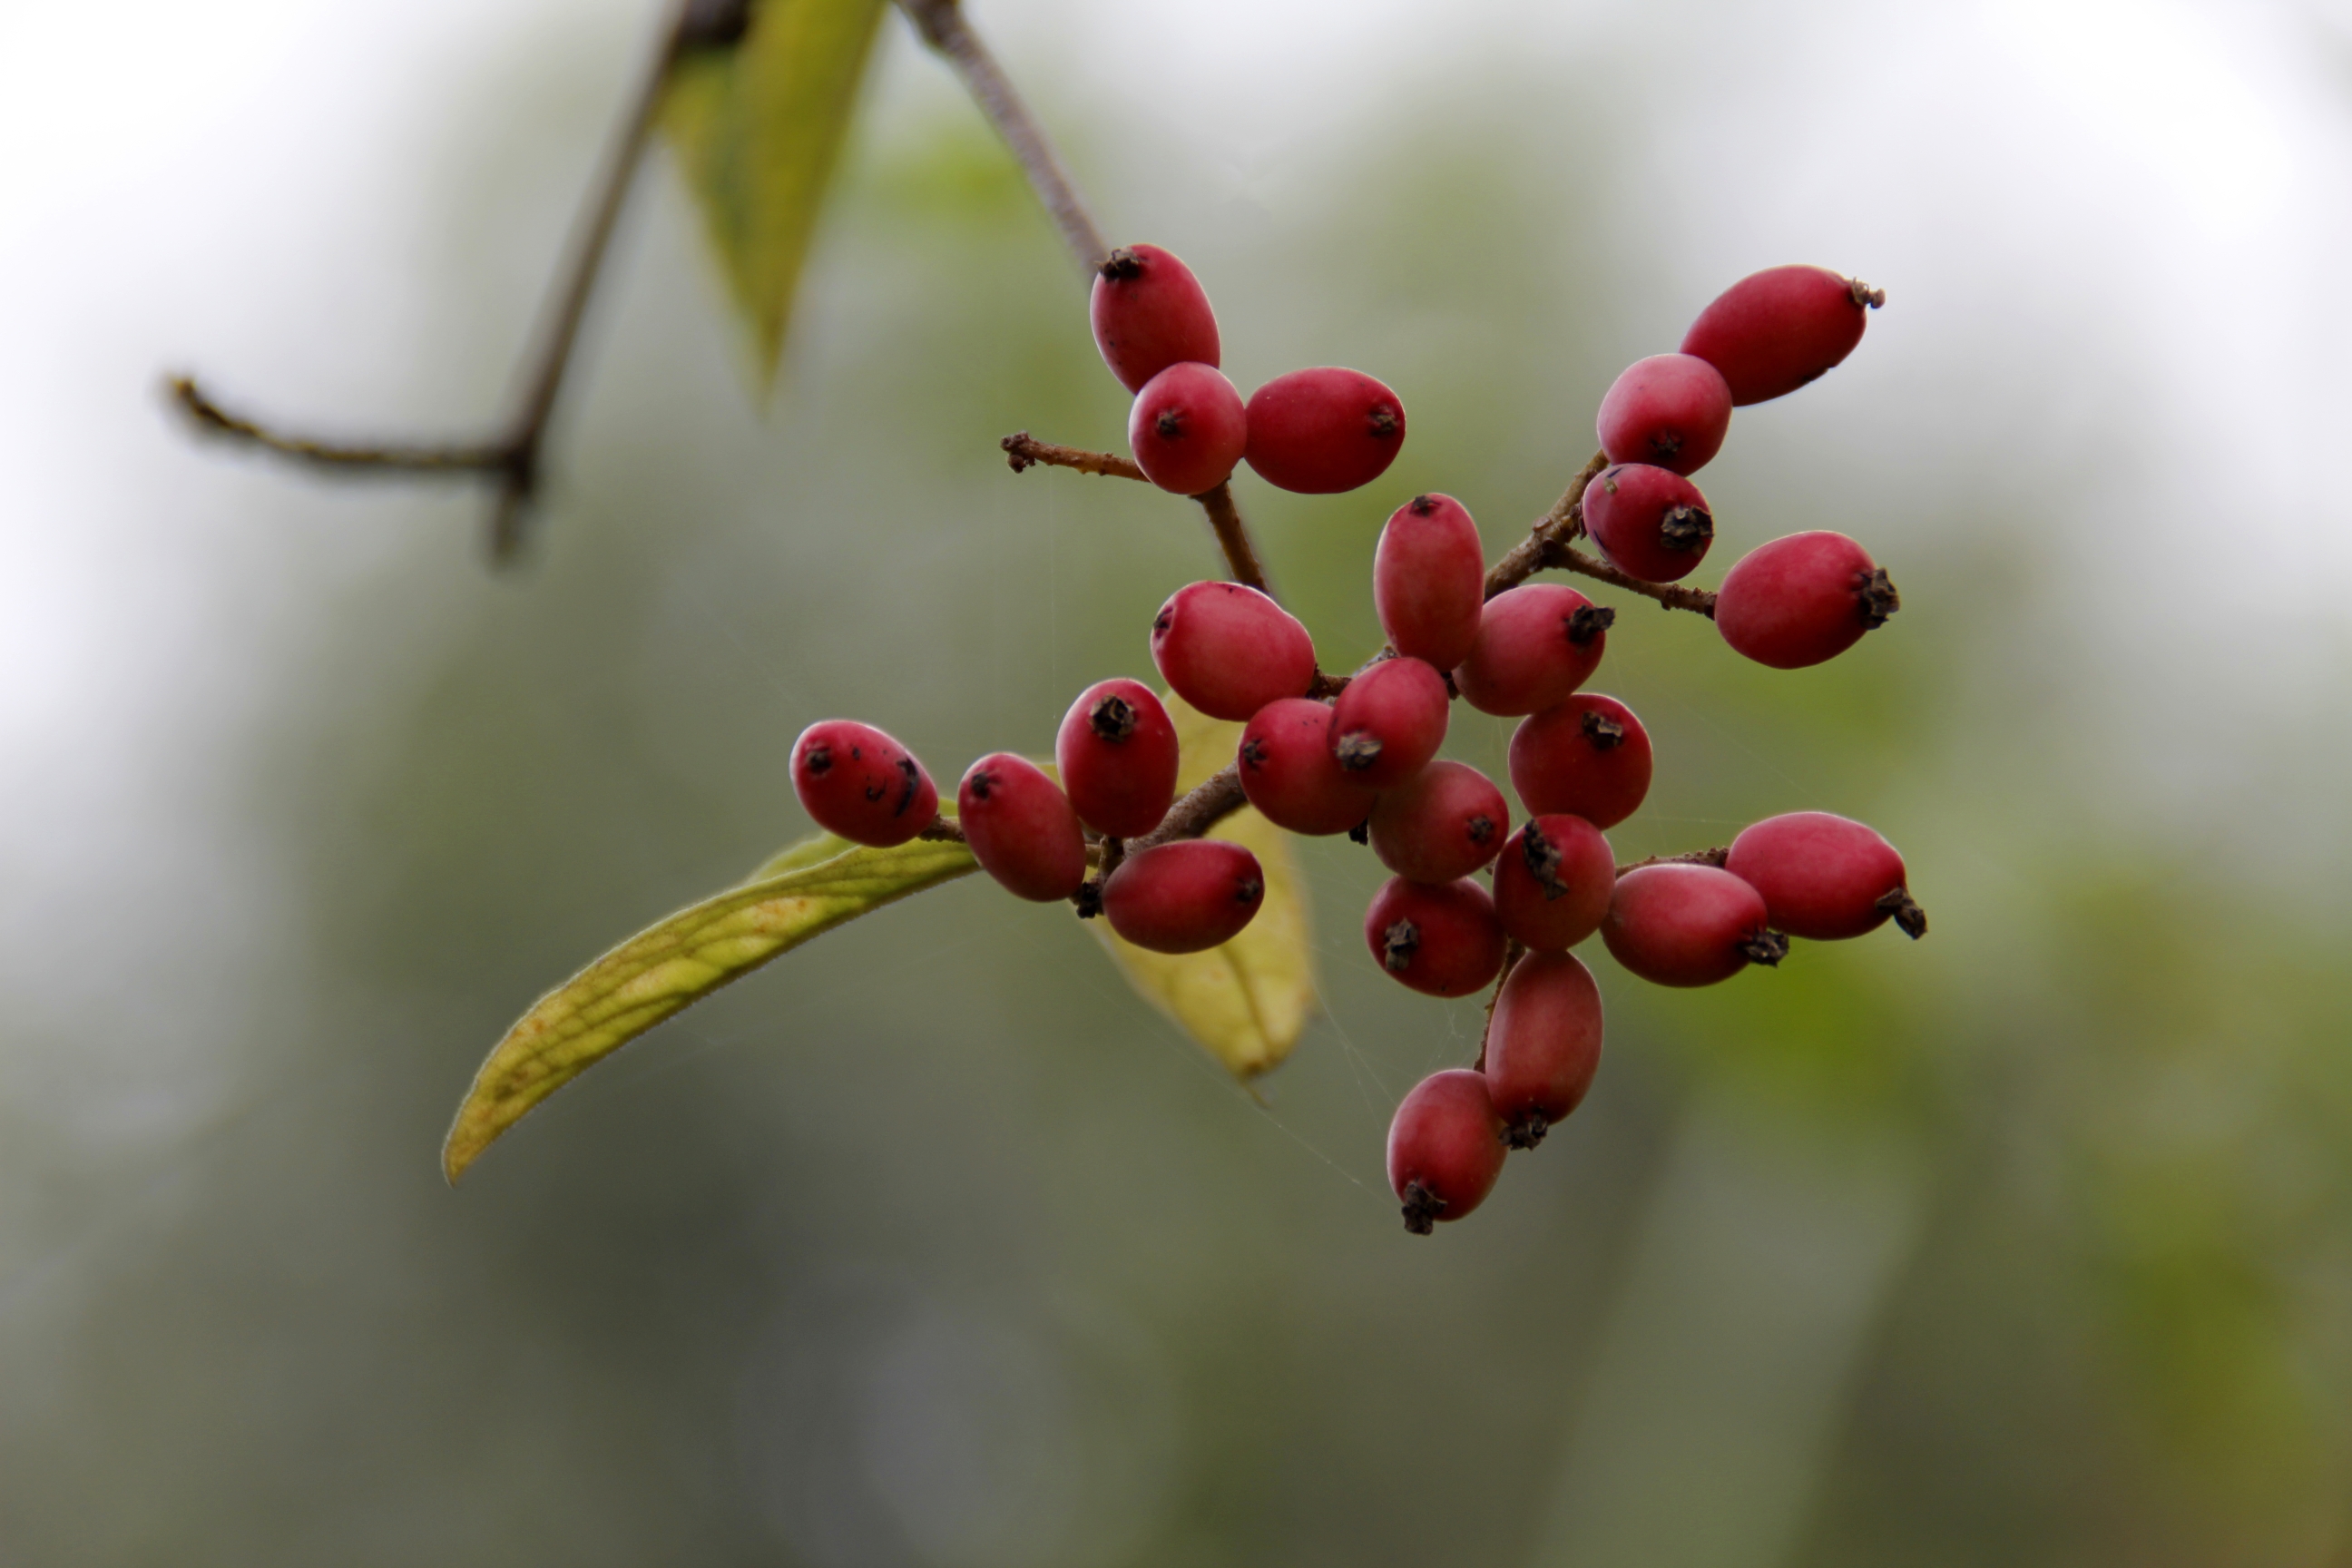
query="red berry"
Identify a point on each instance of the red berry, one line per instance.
(1776, 330)
(1020, 828)
(1682, 924)
(1187, 430)
(1802, 599)
(1117, 755)
(1652, 523)
(1543, 1045)
(1445, 822)
(1150, 313)
(1824, 877)
(1445, 1148)
(1553, 882)
(1290, 773)
(1588, 757)
(1536, 645)
(1669, 409)
(1229, 650)
(1439, 937)
(1429, 580)
(1184, 897)
(1389, 723)
(857, 781)
(1323, 431)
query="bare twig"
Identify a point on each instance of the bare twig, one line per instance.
(1023, 450)
(1198, 811)
(1669, 596)
(1547, 544)
(1233, 538)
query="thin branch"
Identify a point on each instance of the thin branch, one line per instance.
(1022, 451)
(1233, 538)
(1198, 811)
(1669, 596)
(1547, 544)
(450, 457)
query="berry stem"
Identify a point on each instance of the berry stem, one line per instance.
(1511, 956)
(1023, 450)
(1233, 539)
(1548, 543)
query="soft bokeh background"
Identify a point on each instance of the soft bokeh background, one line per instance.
(2031, 1243)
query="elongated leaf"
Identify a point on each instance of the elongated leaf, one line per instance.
(802, 894)
(757, 128)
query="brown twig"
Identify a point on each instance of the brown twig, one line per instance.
(1548, 543)
(1233, 538)
(1669, 596)
(1023, 450)
(1199, 810)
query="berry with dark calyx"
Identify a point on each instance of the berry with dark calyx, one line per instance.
(1669, 410)
(1445, 822)
(1536, 645)
(1116, 755)
(1150, 313)
(1185, 897)
(858, 783)
(1774, 331)
(1229, 650)
(1187, 430)
(1389, 723)
(1290, 775)
(1439, 937)
(1553, 881)
(1825, 876)
(1325, 430)
(1681, 924)
(1652, 523)
(1543, 1045)
(1802, 599)
(1445, 1148)
(1586, 757)
(1429, 580)
(1020, 828)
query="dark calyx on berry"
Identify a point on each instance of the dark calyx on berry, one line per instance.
(1397, 945)
(1766, 948)
(1601, 730)
(1909, 917)
(1687, 528)
(1122, 263)
(1358, 749)
(818, 758)
(1877, 597)
(1421, 1208)
(1590, 621)
(1542, 857)
(1112, 718)
(1526, 1130)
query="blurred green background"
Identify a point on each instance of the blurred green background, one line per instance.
(932, 1244)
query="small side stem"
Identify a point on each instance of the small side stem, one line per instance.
(1552, 531)
(1233, 538)
(1024, 451)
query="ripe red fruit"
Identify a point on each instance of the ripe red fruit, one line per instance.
(1587, 757)
(1187, 430)
(1682, 924)
(1825, 876)
(1553, 881)
(1020, 828)
(1229, 650)
(1184, 897)
(1445, 1148)
(1536, 645)
(1802, 599)
(1543, 1045)
(1429, 580)
(1441, 938)
(1389, 723)
(1290, 773)
(1150, 313)
(1445, 822)
(1652, 523)
(857, 781)
(1323, 431)
(1776, 330)
(1117, 755)
(1669, 409)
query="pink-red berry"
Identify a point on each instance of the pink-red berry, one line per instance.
(1429, 580)
(1774, 331)
(1020, 828)
(1325, 430)
(1290, 775)
(1445, 822)
(1187, 430)
(1669, 410)
(1586, 757)
(1150, 313)
(1802, 599)
(1684, 924)
(1650, 521)
(1439, 937)
(1543, 1045)
(1535, 644)
(1552, 883)
(1389, 723)
(1445, 1148)
(1184, 897)
(1229, 650)
(1825, 876)
(1116, 755)
(858, 783)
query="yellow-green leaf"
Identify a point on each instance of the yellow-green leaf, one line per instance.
(757, 128)
(802, 894)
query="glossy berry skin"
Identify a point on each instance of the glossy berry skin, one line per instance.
(1774, 331)
(1587, 757)
(1229, 650)
(1117, 757)
(1681, 924)
(1670, 410)
(1824, 877)
(1445, 822)
(1441, 939)
(1325, 430)
(1543, 1045)
(1389, 723)
(1020, 828)
(1429, 580)
(1536, 645)
(1184, 897)
(1652, 523)
(1150, 313)
(1445, 1148)
(1553, 881)
(1802, 599)
(857, 781)
(1187, 430)
(1290, 775)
